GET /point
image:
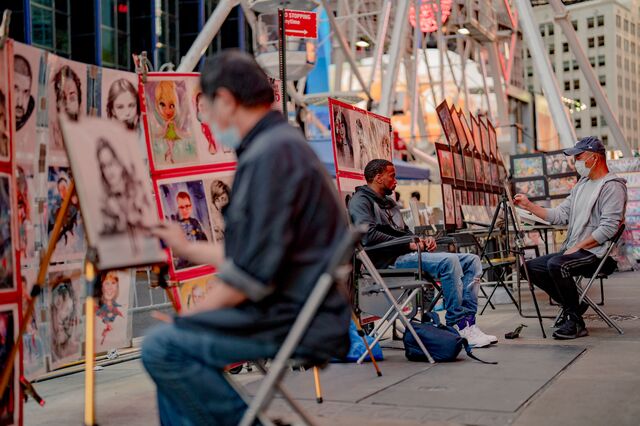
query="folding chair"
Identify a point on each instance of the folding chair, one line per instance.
(409, 282)
(605, 268)
(337, 271)
(498, 266)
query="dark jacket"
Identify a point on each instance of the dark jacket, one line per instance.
(384, 223)
(283, 224)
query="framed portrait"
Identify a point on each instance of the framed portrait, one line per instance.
(458, 168)
(26, 212)
(457, 125)
(469, 169)
(527, 166)
(561, 185)
(484, 135)
(28, 64)
(475, 132)
(67, 95)
(192, 292)
(381, 136)
(176, 133)
(458, 208)
(113, 295)
(360, 132)
(534, 189)
(36, 337)
(480, 176)
(448, 204)
(633, 194)
(446, 121)
(493, 138)
(65, 296)
(341, 136)
(8, 269)
(445, 161)
(10, 402)
(468, 135)
(6, 110)
(559, 164)
(114, 191)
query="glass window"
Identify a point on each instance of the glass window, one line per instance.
(601, 62)
(620, 101)
(530, 71)
(42, 27)
(592, 102)
(603, 122)
(594, 121)
(620, 81)
(627, 84)
(605, 139)
(603, 80)
(626, 45)
(618, 61)
(542, 29)
(633, 48)
(633, 29)
(550, 30)
(601, 40)
(578, 123)
(591, 41)
(592, 61)
(590, 22)
(115, 33)
(600, 19)
(575, 65)
(626, 25)
(567, 85)
(566, 65)
(565, 47)
(552, 49)
(575, 25)
(618, 21)
(50, 26)
(107, 9)
(576, 84)
(108, 46)
(618, 41)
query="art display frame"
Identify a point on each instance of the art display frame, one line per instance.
(565, 166)
(535, 189)
(528, 166)
(446, 121)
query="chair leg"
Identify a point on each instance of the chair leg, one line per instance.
(602, 314)
(316, 379)
(363, 336)
(601, 293)
(484, 293)
(495, 287)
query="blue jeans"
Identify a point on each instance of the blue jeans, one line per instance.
(459, 275)
(187, 367)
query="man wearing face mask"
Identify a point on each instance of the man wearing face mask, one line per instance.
(459, 273)
(593, 211)
(283, 223)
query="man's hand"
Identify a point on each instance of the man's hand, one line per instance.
(523, 201)
(430, 243)
(414, 246)
(173, 237)
(572, 250)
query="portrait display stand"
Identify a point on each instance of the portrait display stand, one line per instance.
(511, 218)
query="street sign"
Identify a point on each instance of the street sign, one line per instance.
(300, 23)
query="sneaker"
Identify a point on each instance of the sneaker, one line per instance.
(572, 328)
(474, 339)
(492, 339)
(563, 315)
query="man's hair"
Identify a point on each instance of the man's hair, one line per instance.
(374, 168)
(58, 80)
(416, 195)
(239, 73)
(21, 66)
(183, 195)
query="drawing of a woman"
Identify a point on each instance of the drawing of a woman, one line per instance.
(166, 106)
(108, 309)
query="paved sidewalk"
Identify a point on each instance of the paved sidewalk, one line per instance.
(589, 381)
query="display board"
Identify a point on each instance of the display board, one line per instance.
(470, 166)
(629, 169)
(358, 136)
(544, 176)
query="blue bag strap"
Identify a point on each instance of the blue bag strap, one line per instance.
(467, 349)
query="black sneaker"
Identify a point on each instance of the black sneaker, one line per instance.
(572, 328)
(563, 315)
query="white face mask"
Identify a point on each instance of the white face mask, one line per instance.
(582, 169)
(230, 137)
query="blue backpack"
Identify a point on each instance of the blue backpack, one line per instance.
(443, 342)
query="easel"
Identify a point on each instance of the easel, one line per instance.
(91, 275)
(511, 216)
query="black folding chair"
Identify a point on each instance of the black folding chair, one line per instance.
(337, 271)
(605, 268)
(496, 266)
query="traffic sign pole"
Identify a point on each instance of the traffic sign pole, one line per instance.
(282, 46)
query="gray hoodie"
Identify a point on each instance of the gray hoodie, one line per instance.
(607, 203)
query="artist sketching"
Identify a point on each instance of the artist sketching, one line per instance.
(283, 224)
(124, 202)
(593, 211)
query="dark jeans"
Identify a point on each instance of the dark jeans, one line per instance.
(187, 368)
(554, 274)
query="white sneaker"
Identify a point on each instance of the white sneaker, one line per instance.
(475, 339)
(492, 339)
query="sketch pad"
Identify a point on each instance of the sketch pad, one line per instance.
(115, 193)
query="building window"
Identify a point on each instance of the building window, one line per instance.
(605, 139)
(528, 53)
(592, 61)
(618, 41)
(578, 123)
(550, 30)
(565, 47)
(591, 41)
(575, 25)
(566, 65)
(626, 64)
(594, 121)
(115, 34)
(601, 61)
(592, 102)
(567, 85)
(627, 85)
(619, 82)
(552, 49)
(591, 22)
(603, 80)
(50, 26)
(618, 21)
(542, 29)
(166, 29)
(626, 25)
(620, 101)
(600, 19)
(633, 48)
(626, 45)
(575, 65)
(576, 84)
(603, 122)
(627, 105)
(635, 124)
(601, 40)
(633, 29)
(618, 61)
(530, 71)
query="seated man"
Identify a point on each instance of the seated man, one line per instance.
(593, 211)
(283, 225)
(459, 273)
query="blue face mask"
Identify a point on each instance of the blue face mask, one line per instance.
(230, 137)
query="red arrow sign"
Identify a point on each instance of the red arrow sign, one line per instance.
(299, 23)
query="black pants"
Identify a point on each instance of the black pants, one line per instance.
(554, 274)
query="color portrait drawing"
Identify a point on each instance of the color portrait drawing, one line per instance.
(170, 119)
(108, 307)
(124, 201)
(70, 242)
(123, 103)
(6, 243)
(204, 127)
